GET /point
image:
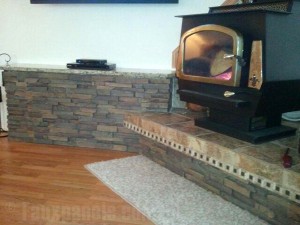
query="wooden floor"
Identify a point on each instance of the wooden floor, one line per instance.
(46, 184)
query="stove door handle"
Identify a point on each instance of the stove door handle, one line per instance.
(240, 59)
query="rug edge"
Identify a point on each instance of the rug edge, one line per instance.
(87, 167)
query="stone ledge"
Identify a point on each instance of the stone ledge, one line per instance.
(140, 73)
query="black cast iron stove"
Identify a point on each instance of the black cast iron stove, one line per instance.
(243, 63)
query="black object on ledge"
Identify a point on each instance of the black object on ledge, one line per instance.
(92, 64)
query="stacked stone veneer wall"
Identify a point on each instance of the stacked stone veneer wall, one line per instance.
(267, 205)
(80, 109)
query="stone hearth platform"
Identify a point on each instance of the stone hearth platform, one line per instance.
(259, 164)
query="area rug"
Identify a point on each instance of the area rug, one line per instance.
(165, 197)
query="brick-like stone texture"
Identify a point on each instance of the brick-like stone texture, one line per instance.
(261, 202)
(80, 109)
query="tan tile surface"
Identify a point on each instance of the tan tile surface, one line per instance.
(190, 128)
(167, 118)
(271, 153)
(225, 141)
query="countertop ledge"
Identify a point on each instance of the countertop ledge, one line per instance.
(136, 73)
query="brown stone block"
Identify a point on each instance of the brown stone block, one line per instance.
(30, 95)
(153, 148)
(293, 212)
(279, 201)
(202, 184)
(155, 100)
(236, 201)
(80, 96)
(151, 91)
(100, 79)
(132, 136)
(57, 138)
(66, 131)
(17, 112)
(109, 139)
(79, 77)
(57, 89)
(107, 128)
(40, 80)
(21, 84)
(159, 107)
(103, 87)
(60, 108)
(156, 86)
(140, 81)
(284, 209)
(233, 185)
(250, 202)
(63, 85)
(104, 98)
(48, 114)
(139, 94)
(88, 143)
(159, 80)
(218, 185)
(122, 93)
(105, 107)
(158, 161)
(156, 96)
(124, 80)
(124, 130)
(264, 211)
(102, 91)
(51, 76)
(128, 99)
(9, 77)
(87, 127)
(37, 89)
(136, 147)
(86, 111)
(119, 147)
(196, 175)
(118, 85)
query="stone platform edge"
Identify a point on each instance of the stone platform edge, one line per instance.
(135, 123)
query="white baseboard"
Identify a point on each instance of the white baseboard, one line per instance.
(3, 107)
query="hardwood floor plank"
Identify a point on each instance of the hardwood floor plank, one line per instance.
(48, 185)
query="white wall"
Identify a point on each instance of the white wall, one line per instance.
(130, 35)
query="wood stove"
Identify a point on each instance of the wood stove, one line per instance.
(242, 62)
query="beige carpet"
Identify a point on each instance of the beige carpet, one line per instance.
(166, 198)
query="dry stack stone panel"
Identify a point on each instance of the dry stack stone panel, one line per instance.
(84, 110)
